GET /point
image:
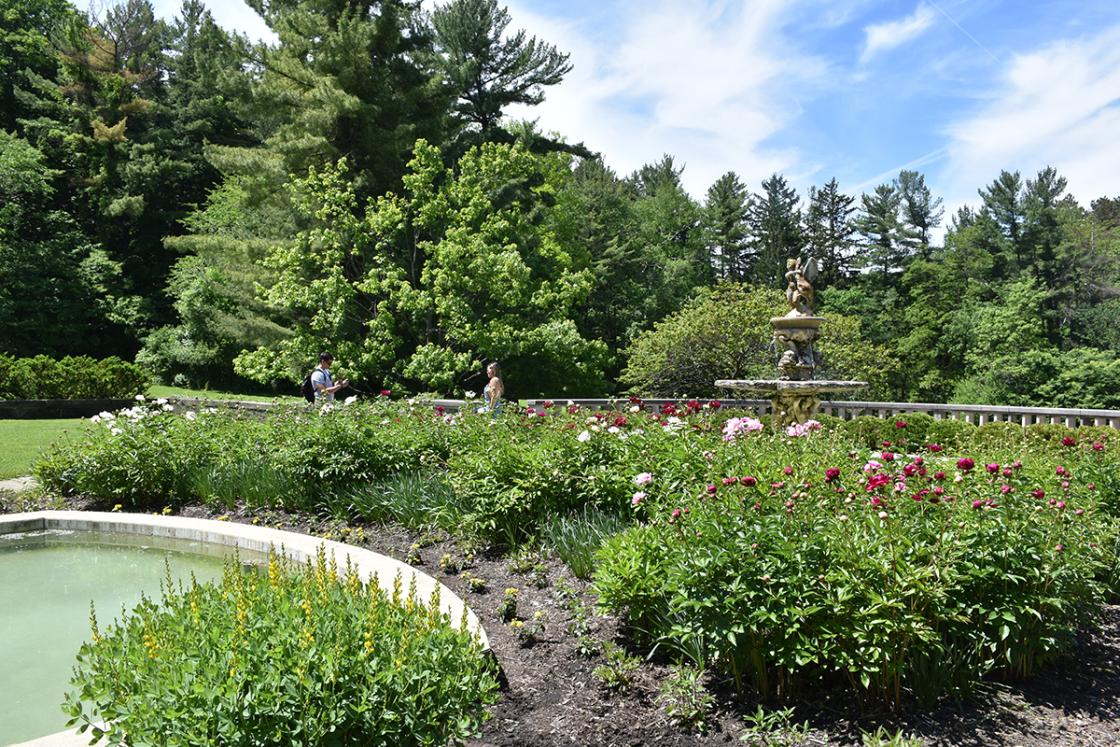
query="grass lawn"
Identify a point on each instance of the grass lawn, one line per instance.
(22, 440)
(174, 391)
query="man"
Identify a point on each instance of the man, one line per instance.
(322, 382)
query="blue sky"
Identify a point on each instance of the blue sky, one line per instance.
(819, 88)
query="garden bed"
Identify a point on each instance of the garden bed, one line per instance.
(848, 572)
(552, 696)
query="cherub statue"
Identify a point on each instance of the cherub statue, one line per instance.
(799, 285)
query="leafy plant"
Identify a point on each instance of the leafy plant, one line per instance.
(883, 738)
(618, 668)
(685, 699)
(283, 653)
(775, 728)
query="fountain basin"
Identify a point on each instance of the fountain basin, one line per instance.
(792, 401)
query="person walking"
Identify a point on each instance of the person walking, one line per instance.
(494, 389)
(321, 380)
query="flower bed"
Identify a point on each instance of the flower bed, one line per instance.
(861, 554)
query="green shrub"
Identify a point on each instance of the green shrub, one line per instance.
(295, 656)
(952, 434)
(78, 377)
(796, 581)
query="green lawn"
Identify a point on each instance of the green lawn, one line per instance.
(22, 440)
(174, 391)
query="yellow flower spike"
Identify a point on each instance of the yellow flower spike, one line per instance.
(410, 603)
(397, 590)
(434, 601)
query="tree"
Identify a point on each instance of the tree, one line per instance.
(488, 70)
(59, 293)
(1003, 200)
(879, 225)
(830, 232)
(724, 332)
(26, 28)
(725, 227)
(921, 212)
(425, 286)
(350, 80)
(775, 227)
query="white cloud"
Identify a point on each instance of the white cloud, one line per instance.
(707, 81)
(1058, 106)
(881, 37)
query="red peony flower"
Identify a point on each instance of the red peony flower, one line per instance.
(992, 468)
(831, 474)
(900, 424)
(888, 456)
(714, 404)
(934, 447)
(385, 392)
(1069, 441)
(1098, 446)
(749, 481)
(965, 464)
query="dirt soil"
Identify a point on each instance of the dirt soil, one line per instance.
(551, 696)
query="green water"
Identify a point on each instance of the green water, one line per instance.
(47, 580)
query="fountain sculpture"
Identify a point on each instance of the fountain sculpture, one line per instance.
(794, 394)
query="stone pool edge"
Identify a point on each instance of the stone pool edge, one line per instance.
(248, 537)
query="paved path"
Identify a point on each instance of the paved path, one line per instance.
(17, 484)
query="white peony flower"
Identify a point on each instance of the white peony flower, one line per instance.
(140, 398)
(469, 394)
(189, 415)
(584, 437)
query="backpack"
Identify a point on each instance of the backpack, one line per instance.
(307, 389)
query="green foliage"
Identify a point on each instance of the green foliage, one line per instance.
(577, 537)
(618, 668)
(487, 69)
(774, 728)
(797, 580)
(881, 737)
(725, 333)
(685, 699)
(425, 287)
(299, 655)
(79, 377)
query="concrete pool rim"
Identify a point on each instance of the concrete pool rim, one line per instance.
(248, 537)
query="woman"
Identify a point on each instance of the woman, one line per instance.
(494, 389)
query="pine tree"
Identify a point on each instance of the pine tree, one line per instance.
(725, 227)
(879, 225)
(26, 28)
(775, 226)
(488, 70)
(830, 232)
(921, 211)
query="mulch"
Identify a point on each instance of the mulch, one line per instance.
(551, 696)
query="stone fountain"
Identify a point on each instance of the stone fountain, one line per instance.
(794, 394)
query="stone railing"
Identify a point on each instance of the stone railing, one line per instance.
(976, 414)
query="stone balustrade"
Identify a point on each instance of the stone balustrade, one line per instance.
(975, 414)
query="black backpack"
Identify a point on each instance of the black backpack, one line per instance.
(307, 389)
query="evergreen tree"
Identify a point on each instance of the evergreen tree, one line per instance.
(26, 28)
(878, 223)
(830, 232)
(347, 80)
(775, 227)
(1003, 199)
(725, 227)
(487, 69)
(921, 211)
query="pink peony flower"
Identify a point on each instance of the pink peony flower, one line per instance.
(938, 475)
(711, 489)
(977, 504)
(992, 468)
(749, 481)
(637, 499)
(1038, 493)
(934, 448)
(645, 478)
(1005, 488)
(1098, 446)
(788, 470)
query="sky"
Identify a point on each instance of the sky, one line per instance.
(816, 89)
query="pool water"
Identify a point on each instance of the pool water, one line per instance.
(47, 580)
